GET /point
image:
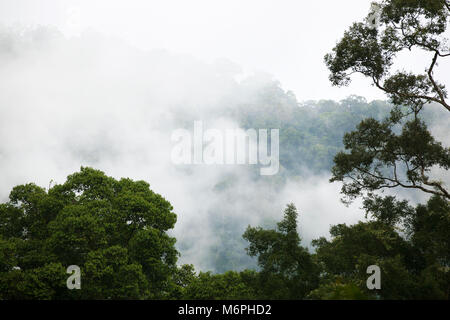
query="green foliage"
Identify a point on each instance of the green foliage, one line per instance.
(398, 151)
(287, 269)
(114, 230)
(428, 229)
(310, 133)
(388, 210)
(337, 290)
(377, 157)
(111, 274)
(181, 278)
(413, 267)
(230, 285)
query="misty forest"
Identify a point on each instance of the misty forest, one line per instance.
(87, 177)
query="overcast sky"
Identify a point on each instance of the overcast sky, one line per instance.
(285, 38)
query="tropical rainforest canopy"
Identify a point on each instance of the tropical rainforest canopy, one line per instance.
(118, 231)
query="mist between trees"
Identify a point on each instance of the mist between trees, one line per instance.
(94, 102)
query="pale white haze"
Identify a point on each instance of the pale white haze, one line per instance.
(286, 38)
(105, 83)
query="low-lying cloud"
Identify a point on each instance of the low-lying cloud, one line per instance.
(94, 101)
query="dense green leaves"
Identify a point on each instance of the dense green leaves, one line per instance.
(358, 51)
(412, 267)
(398, 151)
(230, 285)
(115, 231)
(410, 245)
(287, 269)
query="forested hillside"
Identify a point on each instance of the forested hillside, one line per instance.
(90, 127)
(311, 134)
(111, 229)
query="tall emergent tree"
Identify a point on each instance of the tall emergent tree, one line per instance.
(380, 155)
(114, 230)
(398, 151)
(287, 268)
